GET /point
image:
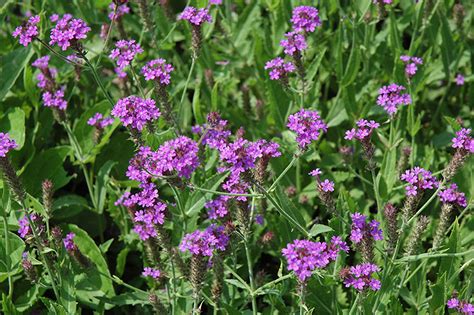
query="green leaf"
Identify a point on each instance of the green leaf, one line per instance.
(215, 97)
(100, 187)
(129, 298)
(121, 261)
(104, 247)
(10, 261)
(319, 229)
(68, 206)
(13, 122)
(68, 291)
(286, 207)
(197, 105)
(247, 20)
(453, 123)
(352, 66)
(438, 295)
(197, 200)
(11, 66)
(53, 307)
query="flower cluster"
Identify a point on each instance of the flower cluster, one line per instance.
(24, 226)
(204, 243)
(6, 144)
(196, 16)
(279, 69)
(151, 272)
(55, 99)
(158, 70)
(124, 52)
(459, 79)
(217, 208)
(326, 185)
(303, 256)
(463, 307)
(364, 130)
(391, 96)
(360, 277)
(99, 121)
(411, 64)
(68, 31)
(463, 140)
(47, 75)
(116, 13)
(28, 31)
(136, 112)
(361, 229)
(178, 156)
(294, 43)
(68, 242)
(305, 19)
(308, 125)
(451, 195)
(418, 179)
(215, 133)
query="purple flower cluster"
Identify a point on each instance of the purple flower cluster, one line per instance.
(390, 97)
(305, 19)
(99, 121)
(303, 256)
(215, 133)
(360, 277)
(279, 69)
(196, 16)
(215, 2)
(463, 140)
(364, 130)
(411, 64)
(158, 70)
(136, 112)
(294, 43)
(124, 52)
(463, 307)
(326, 185)
(55, 99)
(6, 144)
(217, 208)
(418, 179)
(24, 226)
(68, 242)
(52, 96)
(28, 31)
(68, 31)
(204, 243)
(361, 229)
(459, 79)
(451, 195)
(308, 125)
(382, 1)
(151, 272)
(116, 13)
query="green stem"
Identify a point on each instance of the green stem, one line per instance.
(223, 193)
(251, 278)
(7, 260)
(181, 209)
(288, 167)
(376, 190)
(183, 95)
(97, 78)
(269, 284)
(54, 52)
(137, 80)
(298, 176)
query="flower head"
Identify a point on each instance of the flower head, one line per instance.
(124, 52)
(136, 112)
(463, 307)
(28, 31)
(294, 43)
(55, 99)
(217, 208)
(151, 272)
(451, 195)
(205, 242)
(305, 18)
(308, 125)
(390, 97)
(116, 13)
(158, 70)
(68, 31)
(99, 121)
(215, 132)
(459, 79)
(411, 64)
(463, 141)
(69, 242)
(6, 144)
(279, 69)
(363, 229)
(360, 277)
(418, 179)
(196, 16)
(364, 130)
(178, 156)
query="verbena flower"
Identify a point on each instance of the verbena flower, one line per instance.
(158, 70)
(69, 242)
(217, 208)
(28, 31)
(411, 64)
(360, 277)
(215, 133)
(151, 272)
(24, 225)
(136, 112)
(364, 130)
(116, 14)
(294, 43)
(6, 144)
(459, 79)
(308, 125)
(463, 307)
(196, 16)
(215, 2)
(362, 229)
(55, 99)
(124, 52)
(305, 18)
(391, 96)
(464, 145)
(279, 69)
(178, 156)
(463, 140)
(418, 179)
(99, 121)
(204, 243)
(451, 195)
(68, 31)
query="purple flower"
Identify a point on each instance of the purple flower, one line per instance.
(459, 79)
(215, 133)
(41, 63)
(390, 97)
(6, 144)
(135, 112)
(47, 75)
(451, 195)
(68, 31)
(382, 1)
(294, 43)
(305, 19)
(327, 185)
(308, 125)
(158, 70)
(279, 69)
(364, 130)
(196, 16)
(217, 208)
(418, 179)
(28, 31)
(24, 225)
(151, 272)
(360, 277)
(453, 303)
(99, 121)
(124, 52)
(116, 14)
(259, 219)
(463, 307)
(69, 242)
(55, 99)
(361, 229)
(463, 141)
(411, 64)
(215, 2)
(179, 155)
(204, 243)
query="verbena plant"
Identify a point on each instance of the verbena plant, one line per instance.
(234, 157)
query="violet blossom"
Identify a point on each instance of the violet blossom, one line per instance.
(68, 31)
(360, 277)
(205, 242)
(305, 18)
(391, 96)
(279, 69)
(463, 307)
(418, 179)
(294, 43)
(411, 64)
(158, 70)
(124, 52)
(151, 272)
(451, 195)
(99, 121)
(459, 79)
(69, 242)
(362, 229)
(6, 144)
(116, 13)
(364, 130)
(308, 125)
(196, 16)
(136, 112)
(28, 31)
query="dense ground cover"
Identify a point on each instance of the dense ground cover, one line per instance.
(230, 157)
